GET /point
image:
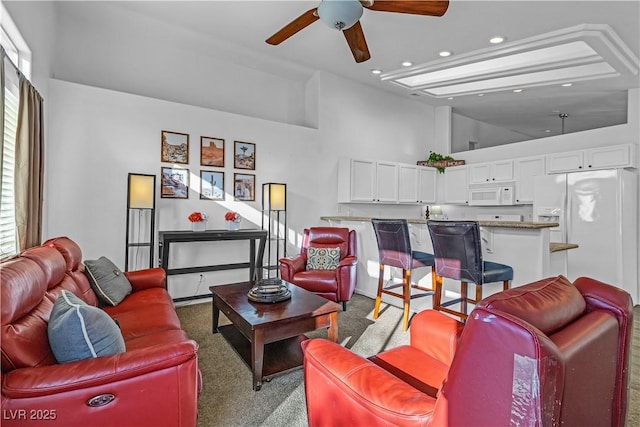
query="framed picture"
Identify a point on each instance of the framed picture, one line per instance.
(175, 183)
(212, 185)
(211, 151)
(244, 155)
(175, 147)
(244, 187)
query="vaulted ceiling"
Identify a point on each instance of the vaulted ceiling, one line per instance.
(464, 30)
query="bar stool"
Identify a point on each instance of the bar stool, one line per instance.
(457, 248)
(394, 249)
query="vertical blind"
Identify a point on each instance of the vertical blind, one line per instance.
(8, 238)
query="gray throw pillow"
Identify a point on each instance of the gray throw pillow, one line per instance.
(80, 331)
(107, 281)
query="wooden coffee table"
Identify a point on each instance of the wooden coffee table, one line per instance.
(268, 335)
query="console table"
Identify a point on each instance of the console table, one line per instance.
(166, 238)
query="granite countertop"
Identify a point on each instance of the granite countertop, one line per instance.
(504, 224)
(557, 247)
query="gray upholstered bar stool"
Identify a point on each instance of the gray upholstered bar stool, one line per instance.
(394, 249)
(458, 255)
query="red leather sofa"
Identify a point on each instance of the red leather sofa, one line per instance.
(155, 382)
(548, 353)
(337, 285)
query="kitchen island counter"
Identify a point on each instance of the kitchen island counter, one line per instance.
(525, 246)
(483, 223)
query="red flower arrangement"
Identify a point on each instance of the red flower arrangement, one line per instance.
(232, 216)
(198, 217)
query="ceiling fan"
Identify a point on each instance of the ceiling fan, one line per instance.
(344, 15)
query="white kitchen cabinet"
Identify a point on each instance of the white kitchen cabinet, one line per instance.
(456, 185)
(491, 172)
(617, 156)
(427, 185)
(565, 162)
(367, 181)
(356, 180)
(407, 184)
(525, 169)
(479, 173)
(416, 184)
(386, 182)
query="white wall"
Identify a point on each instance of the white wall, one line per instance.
(122, 50)
(97, 136)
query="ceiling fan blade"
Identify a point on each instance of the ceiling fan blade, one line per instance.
(414, 7)
(357, 43)
(301, 22)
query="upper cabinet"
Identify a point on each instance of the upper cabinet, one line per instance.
(491, 172)
(367, 181)
(416, 184)
(456, 184)
(525, 169)
(407, 184)
(617, 156)
(386, 182)
(565, 162)
(356, 180)
(427, 192)
(371, 181)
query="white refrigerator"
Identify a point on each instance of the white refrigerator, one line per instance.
(598, 211)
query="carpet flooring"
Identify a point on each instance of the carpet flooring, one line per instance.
(227, 398)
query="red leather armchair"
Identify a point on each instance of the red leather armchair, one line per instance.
(549, 353)
(156, 381)
(337, 285)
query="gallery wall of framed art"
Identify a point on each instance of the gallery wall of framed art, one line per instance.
(212, 184)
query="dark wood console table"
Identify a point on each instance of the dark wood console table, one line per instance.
(166, 238)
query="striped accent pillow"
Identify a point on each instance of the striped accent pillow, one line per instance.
(79, 331)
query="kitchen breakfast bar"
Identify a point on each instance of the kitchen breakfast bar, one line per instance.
(525, 246)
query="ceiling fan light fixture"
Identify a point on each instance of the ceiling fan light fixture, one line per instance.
(340, 14)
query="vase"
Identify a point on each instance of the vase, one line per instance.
(199, 226)
(232, 225)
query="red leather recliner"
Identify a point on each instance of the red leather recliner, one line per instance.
(549, 353)
(337, 285)
(155, 382)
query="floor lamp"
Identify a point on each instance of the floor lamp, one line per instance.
(274, 210)
(141, 213)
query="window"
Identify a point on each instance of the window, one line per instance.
(17, 55)
(8, 237)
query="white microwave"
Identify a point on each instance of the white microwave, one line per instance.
(493, 195)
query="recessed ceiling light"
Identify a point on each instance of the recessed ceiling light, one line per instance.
(451, 97)
(376, 71)
(547, 130)
(567, 84)
(497, 39)
(481, 94)
(445, 53)
(407, 63)
(517, 90)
